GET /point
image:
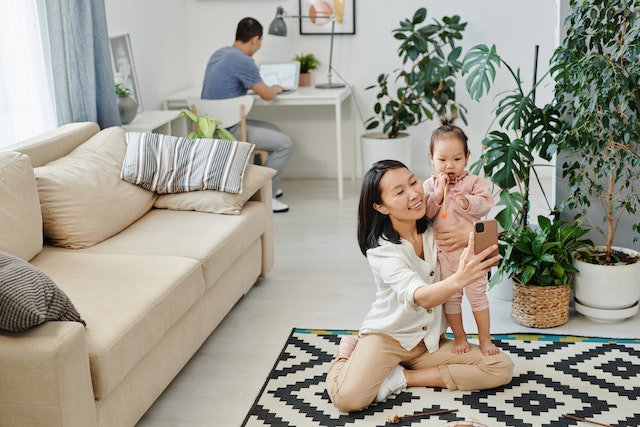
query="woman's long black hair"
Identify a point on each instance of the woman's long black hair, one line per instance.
(372, 224)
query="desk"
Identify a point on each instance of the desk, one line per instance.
(160, 121)
(304, 96)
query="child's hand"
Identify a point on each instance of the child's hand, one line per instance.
(441, 181)
(460, 200)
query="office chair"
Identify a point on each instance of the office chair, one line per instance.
(230, 112)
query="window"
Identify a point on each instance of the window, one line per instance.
(27, 105)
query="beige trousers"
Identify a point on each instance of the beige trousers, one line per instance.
(353, 383)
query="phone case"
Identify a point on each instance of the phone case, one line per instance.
(485, 234)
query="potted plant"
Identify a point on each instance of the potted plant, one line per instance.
(526, 131)
(597, 71)
(422, 89)
(205, 126)
(538, 259)
(308, 62)
(127, 106)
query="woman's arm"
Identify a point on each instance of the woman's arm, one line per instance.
(470, 268)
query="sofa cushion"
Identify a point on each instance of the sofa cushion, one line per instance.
(20, 217)
(28, 297)
(215, 241)
(218, 202)
(82, 197)
(169, 164)
(129, 303)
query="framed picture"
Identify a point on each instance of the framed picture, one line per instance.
(344, 10)
(122, 58)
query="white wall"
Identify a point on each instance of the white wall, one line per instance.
(172, 43)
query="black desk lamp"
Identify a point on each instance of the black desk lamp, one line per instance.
(279, 28)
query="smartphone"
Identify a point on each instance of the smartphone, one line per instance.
(485, 234)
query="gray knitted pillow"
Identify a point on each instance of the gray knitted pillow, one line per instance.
(28, 297)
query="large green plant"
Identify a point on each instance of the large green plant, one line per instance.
(425, 84)
(597, 73)
(541, 255)
(526, 131)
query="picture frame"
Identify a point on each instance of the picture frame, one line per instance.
(345, 11)
(122, 60)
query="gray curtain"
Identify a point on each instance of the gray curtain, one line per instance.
(81, 62)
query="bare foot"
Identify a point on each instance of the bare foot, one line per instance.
(461, 345)
(488, 348)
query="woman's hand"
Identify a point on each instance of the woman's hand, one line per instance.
(454, 237)
(475, 266)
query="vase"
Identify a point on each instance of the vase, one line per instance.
(377, 146)
(128, 108)
(607, 293)
(304, 79)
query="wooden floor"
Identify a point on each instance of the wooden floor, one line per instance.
(320, 280)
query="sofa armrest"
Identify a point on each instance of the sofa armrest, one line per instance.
(45, 377)
(264, 195)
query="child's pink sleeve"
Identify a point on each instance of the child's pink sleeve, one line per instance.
(480, 198)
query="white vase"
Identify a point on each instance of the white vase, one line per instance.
(503, 289)
(607, 293)
(377, 146)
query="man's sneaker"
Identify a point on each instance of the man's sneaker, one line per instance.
(279, 206)
(393, 384)
(279, 193)
(347, 344)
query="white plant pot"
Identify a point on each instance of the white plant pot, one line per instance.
(376, 146)
(607, 293)
(502, 290)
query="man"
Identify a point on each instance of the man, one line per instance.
(231, 71)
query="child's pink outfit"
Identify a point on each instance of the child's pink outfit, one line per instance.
(477, 191)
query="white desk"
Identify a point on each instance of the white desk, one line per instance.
(159, 121)
(304, 96)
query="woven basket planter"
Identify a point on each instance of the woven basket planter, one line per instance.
(540, 306)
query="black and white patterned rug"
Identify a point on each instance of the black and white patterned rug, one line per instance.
(592, 378)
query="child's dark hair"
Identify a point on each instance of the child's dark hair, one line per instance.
(372, 224)
(447, 127)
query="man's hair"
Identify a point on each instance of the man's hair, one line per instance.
(247, 29)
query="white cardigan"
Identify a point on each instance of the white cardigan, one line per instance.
(398, 272)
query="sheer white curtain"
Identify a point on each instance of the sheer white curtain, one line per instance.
(27, 105)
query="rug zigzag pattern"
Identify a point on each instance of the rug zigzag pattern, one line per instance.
(597, 379)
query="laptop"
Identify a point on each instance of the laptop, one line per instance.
(285, 74)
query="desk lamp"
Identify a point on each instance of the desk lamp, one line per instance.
(279, 28)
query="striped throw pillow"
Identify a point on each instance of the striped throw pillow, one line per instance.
(168, 164)
(28, 297)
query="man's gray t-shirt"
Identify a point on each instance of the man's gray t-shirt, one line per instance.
(230, 73)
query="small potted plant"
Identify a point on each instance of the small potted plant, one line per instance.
(127, 106)
(205, 126)
(597, 73)
(538, 259)
(308, 62)
(423, 88)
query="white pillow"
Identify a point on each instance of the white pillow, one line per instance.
(217, 201)
(20, 218)
(82, 197)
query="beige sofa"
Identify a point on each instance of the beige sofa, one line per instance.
(151, 283)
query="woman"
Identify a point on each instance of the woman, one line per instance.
(401, 340)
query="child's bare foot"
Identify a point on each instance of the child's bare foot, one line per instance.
(488, 348)
(461, 345)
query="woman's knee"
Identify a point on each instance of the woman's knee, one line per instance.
(346, 401)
